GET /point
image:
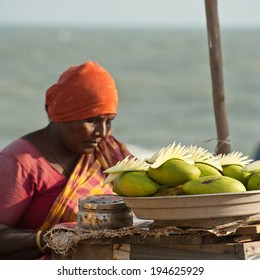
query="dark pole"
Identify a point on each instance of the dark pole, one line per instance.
(216, 66)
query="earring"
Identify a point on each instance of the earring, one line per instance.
(97, 133)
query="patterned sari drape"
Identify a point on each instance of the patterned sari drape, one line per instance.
(86, 179)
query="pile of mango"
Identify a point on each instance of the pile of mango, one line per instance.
(180, 170)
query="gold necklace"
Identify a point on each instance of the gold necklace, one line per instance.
(52, 153)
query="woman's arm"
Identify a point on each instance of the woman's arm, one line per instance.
(19, 244)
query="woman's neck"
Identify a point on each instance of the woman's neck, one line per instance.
(59, 152)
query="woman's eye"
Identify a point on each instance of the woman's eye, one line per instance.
(96, 121)
(91, 121)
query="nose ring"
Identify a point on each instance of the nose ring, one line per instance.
(97, 133)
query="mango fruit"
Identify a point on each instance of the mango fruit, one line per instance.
(116, 188)
(253, 182)
(235, 171)
(136, 183)
(174, 172)
(207, 170)
(213, 184)
(169, 191)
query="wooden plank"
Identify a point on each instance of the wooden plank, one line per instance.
(88, 252)
(208, 248)
(248, 250)
(111, 240)
(246, 238)
(171, 239)
(208, 223)
(241, 251)
(250, 229)
(121, 251)
(182, 252)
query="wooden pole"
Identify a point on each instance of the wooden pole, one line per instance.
(216, 66)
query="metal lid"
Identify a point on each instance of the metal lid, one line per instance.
(102, 202)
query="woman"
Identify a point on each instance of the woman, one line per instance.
(44, 173)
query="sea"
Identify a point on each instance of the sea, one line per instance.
(162, 75)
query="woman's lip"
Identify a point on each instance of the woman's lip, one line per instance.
(92, 144)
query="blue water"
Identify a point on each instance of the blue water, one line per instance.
(163, 78)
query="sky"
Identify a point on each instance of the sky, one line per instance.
(120, 13)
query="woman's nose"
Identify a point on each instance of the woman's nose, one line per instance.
(101, 129)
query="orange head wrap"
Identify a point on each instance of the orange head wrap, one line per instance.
(82, 92)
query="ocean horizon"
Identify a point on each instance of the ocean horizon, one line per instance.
(162, 75)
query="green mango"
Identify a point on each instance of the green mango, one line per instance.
(253, 182)
(174, 172)
(136, 183)
(235, 171)
(115, 186)
(207, 170)
(169, 191)
(213, 184)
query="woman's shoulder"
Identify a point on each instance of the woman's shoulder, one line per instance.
(20, 150)
(18, 146)
(30, 143)
(23, 154)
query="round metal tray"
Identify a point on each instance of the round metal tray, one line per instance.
(188, 207)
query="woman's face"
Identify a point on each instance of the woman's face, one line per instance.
(83, 136)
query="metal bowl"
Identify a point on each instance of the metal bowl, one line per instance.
(188, 207)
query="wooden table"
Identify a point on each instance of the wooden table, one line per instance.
(243, 244)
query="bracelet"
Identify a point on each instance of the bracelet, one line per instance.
(38, 241)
